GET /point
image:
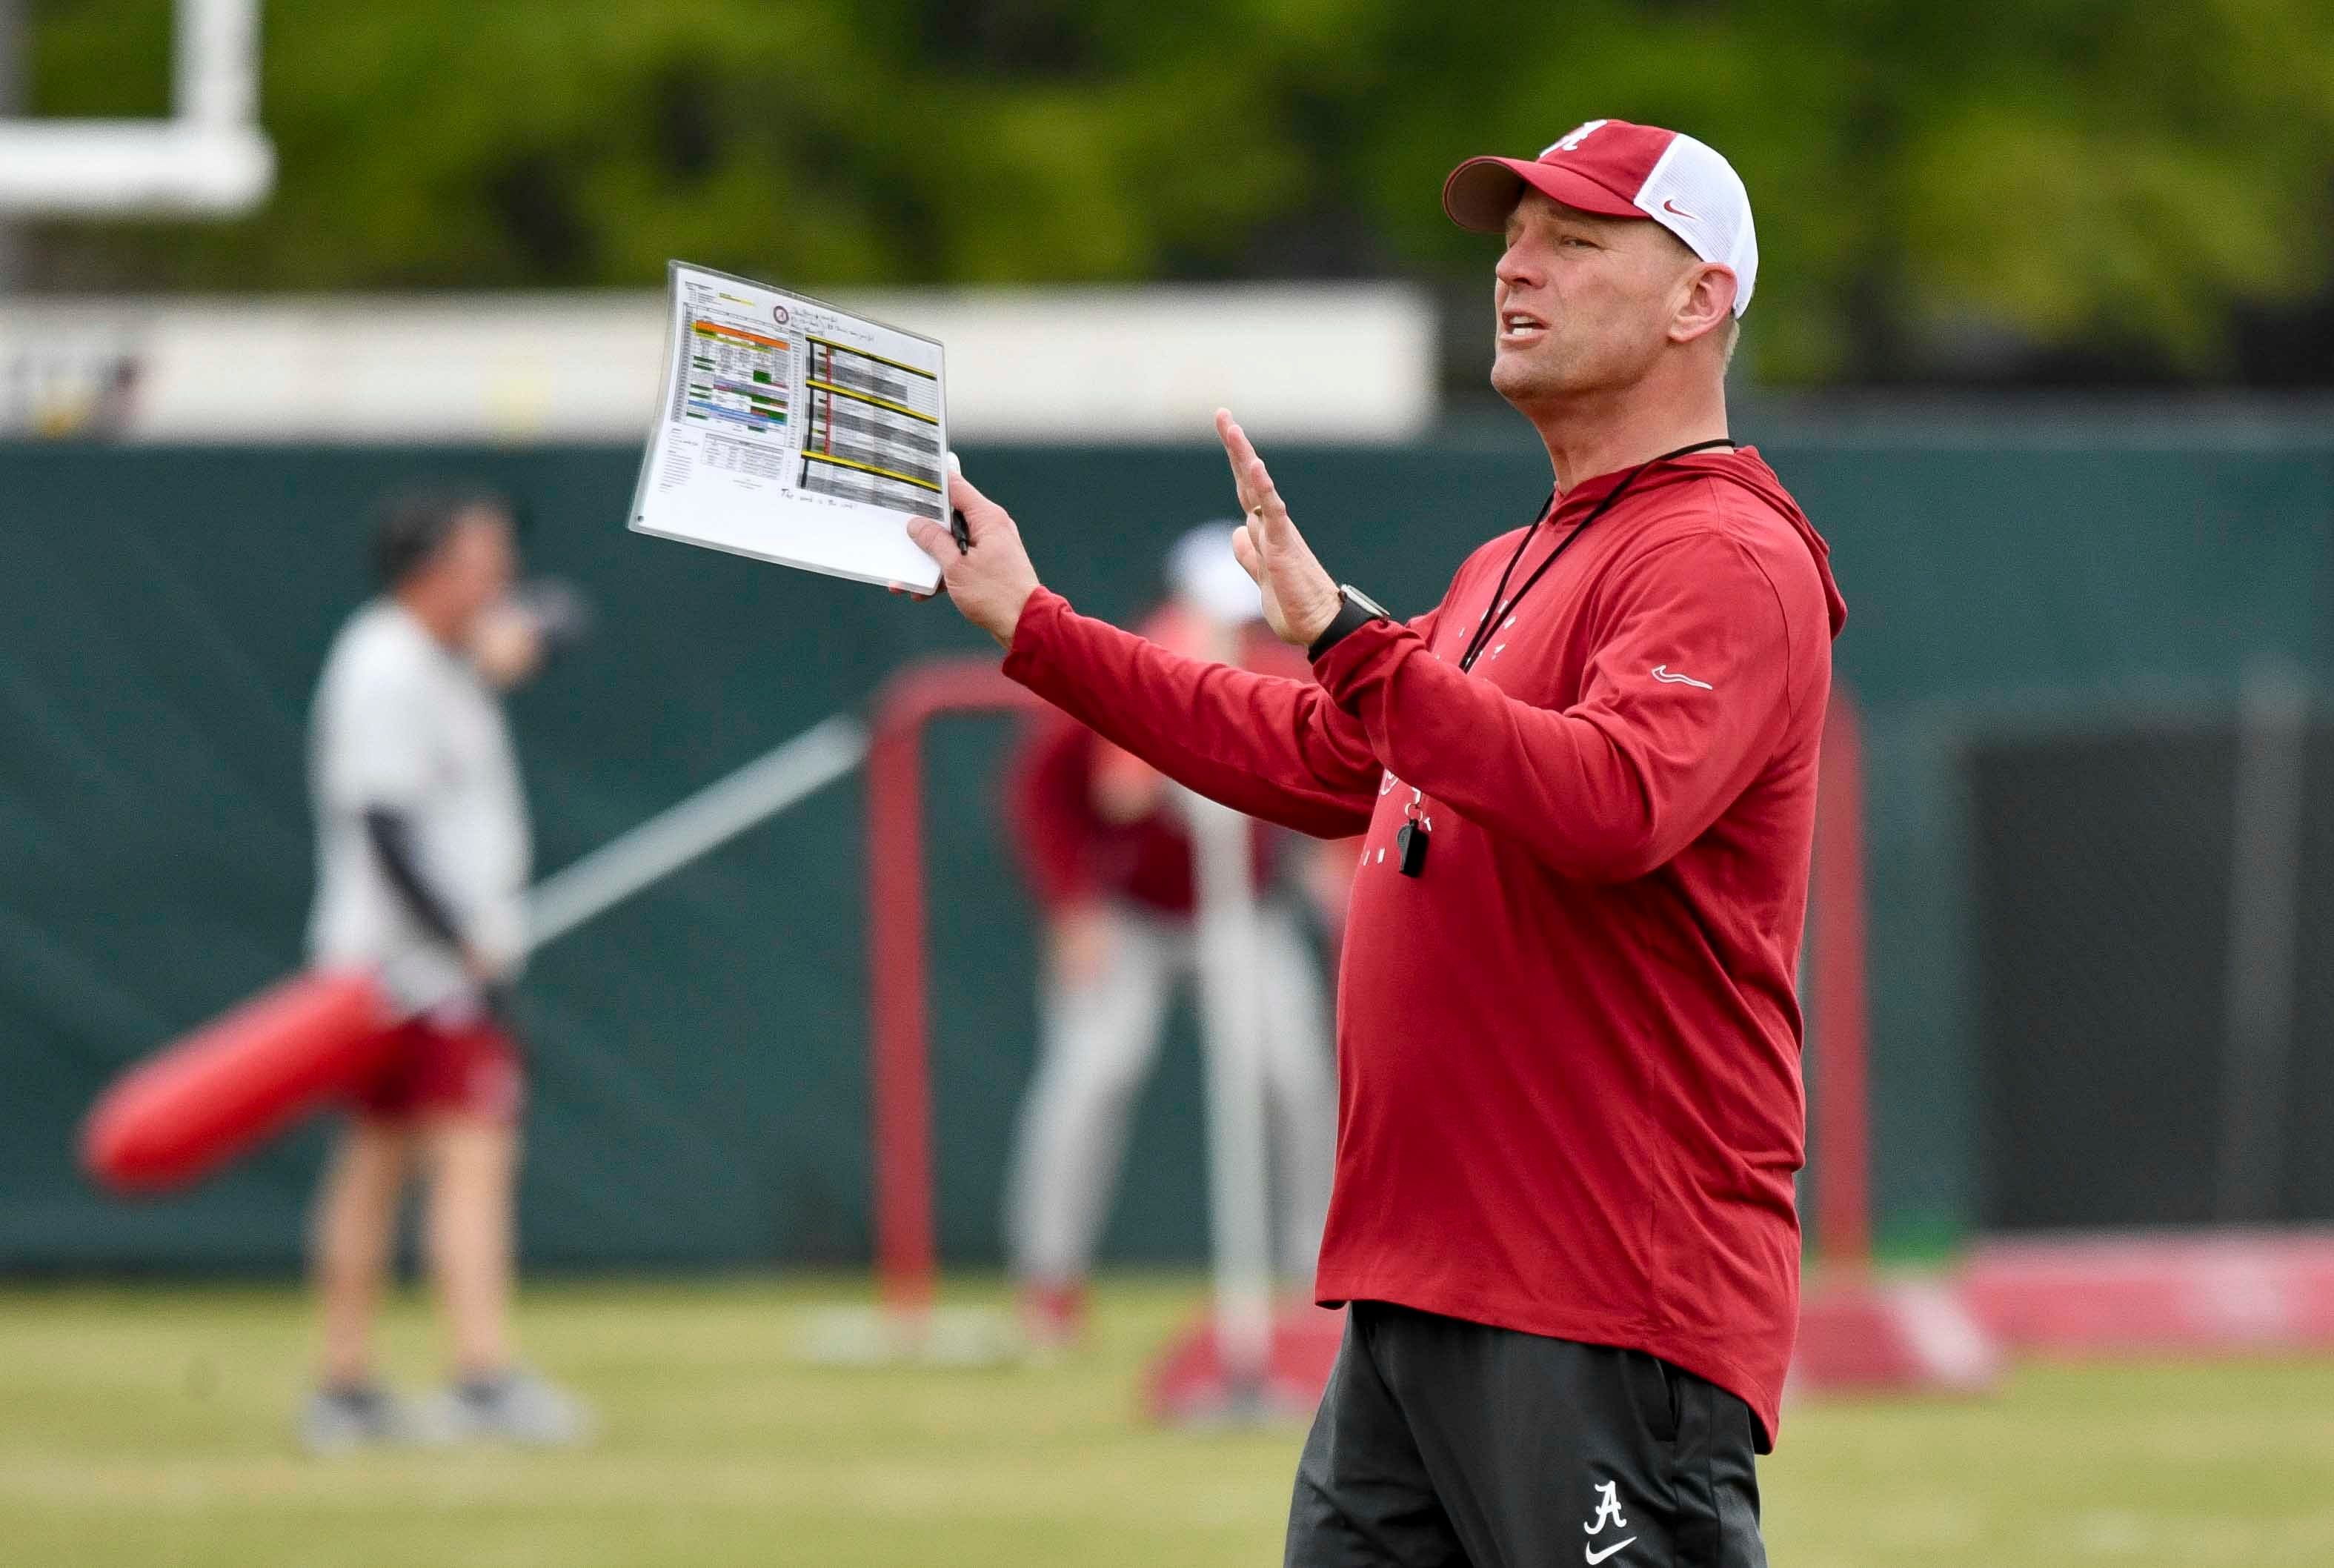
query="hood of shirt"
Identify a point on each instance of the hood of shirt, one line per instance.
(1743, 466)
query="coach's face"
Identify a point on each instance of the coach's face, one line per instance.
(1586, 304)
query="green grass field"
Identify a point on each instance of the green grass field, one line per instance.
(148, 1428)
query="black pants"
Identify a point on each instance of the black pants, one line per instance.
(1443, 1442)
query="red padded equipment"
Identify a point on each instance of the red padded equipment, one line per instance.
(220, 1091)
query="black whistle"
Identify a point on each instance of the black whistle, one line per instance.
(1410, 849)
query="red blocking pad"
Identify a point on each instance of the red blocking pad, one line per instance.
(1859, 1334)
(2133, 1293)
(214, 1094)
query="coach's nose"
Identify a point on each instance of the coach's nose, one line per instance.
(1519, 268)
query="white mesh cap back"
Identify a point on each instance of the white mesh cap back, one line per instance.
(1695, 194)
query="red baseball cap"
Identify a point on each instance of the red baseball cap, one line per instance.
(1618, 170)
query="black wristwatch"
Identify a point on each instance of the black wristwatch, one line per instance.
(1358, 610)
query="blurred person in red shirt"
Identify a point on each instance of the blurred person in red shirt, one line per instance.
(1108, 848)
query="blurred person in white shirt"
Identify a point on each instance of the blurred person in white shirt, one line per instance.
(423, 856)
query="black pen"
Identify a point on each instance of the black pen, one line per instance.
(960, 529)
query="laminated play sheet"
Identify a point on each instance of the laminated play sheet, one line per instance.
(794, 431)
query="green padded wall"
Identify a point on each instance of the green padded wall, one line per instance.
(700, 1097)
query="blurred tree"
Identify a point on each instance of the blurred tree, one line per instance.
(2077, 187)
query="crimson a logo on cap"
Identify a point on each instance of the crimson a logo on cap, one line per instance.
(1572, 139)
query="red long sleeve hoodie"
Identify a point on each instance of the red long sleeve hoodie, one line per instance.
(1569, 1053)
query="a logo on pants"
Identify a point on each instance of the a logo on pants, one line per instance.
(1609, 1512)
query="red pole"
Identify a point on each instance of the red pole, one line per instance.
(899, 1047)
(1842, 1025)
(898, 1068)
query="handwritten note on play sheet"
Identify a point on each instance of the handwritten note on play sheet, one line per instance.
(795, 433)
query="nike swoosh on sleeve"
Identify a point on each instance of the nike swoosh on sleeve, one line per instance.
(1661, 672)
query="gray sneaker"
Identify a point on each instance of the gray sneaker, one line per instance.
(516, 1408)
(335, 1420)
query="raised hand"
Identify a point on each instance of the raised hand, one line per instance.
(1300, 598)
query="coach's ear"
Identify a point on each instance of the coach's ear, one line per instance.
(1705, 301)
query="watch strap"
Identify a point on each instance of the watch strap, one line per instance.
(1353, 612)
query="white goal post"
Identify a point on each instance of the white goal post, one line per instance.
(209, 157)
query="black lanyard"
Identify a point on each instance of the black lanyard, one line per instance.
(1498, 613)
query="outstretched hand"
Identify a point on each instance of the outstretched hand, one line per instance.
(1300, 598)
(990, 582)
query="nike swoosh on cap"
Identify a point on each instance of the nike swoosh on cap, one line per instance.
(1669, 206)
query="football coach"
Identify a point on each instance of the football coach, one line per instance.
(1567, 1042)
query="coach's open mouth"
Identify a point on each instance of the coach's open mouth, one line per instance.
(1520, 326)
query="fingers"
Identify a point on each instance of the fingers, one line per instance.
(1264, 516)
(982, 515)
(933, 539)
(1236, 448)
(915, 594)
(1245, 551)
(1263, 495)
(1258, 493)
(1267, 517)
(1236, 442)
(1228, 433)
